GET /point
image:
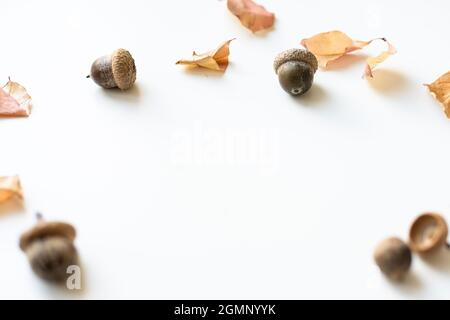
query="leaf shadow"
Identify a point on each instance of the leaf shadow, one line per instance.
(387, 81)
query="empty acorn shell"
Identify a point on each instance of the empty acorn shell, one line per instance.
(428, 232)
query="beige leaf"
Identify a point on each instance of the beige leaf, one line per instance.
(253, 16)
(330, 46)
(215, 60)
(440, 89)
(372, 62)
(9, 188)
(14, 100)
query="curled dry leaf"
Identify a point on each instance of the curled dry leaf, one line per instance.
(215, 60)
(440, 89)
(14, 100)
(329, 46)
(10, 188)
(372, 62)
(253, 16)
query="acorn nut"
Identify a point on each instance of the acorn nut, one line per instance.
(295, 69)
(393, 257)
(50, 249)
(428, 232)
(114, 70)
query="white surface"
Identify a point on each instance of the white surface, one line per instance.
(193, 185)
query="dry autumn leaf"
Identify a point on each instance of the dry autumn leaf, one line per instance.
(440, 89)
(253, 16)
(10, 188)
(329, 46)
(215, 60)
(14, 100)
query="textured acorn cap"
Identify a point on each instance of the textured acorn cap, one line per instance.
(295, 55)
(45, 229)
(123, 68)
(428, 232)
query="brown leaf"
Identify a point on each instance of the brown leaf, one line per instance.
(9, 188)
(332, 45)
(215, 60)
(253, 16)
(372, 62)
(440, 89)
(14, 100)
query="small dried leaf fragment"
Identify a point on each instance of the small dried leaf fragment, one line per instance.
(330, 46)
(214, 60)
(14, 100)
(440, 89)
(252, 15)
(372, 62)
(10, 187)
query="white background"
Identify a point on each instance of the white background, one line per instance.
(199, 185)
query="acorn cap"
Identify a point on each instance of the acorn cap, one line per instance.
(295, 55)
(45, 229)
(428, 232)
(123, 68)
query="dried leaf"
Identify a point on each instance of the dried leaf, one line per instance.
(215, 60)
(253, 16)
(9, 188)
(372, 62)
(332, 45)
(440, 89)
(14, 100)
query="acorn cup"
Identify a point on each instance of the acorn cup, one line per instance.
(427, 233)
(50, 249)
(116, 70)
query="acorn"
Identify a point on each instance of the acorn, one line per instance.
(50, 249)
(295, 69)
(114, 70)
(393, 257)
(428, 232)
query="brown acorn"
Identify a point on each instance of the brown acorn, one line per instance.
(428, 232)
(393, 257)
(50, 249)
(295, 69)
(116, 70)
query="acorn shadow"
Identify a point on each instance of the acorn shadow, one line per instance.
(439, 260)
(316, 96)
(387, 81)
(132, 95)
(410, 284)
